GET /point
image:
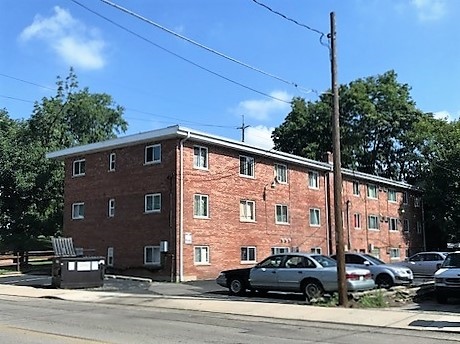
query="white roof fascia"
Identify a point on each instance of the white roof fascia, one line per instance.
(378, 179)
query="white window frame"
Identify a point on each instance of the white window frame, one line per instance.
(112, 158)
(280, 250)
(395, 253)
(245, 205)
(356, 188)
(247, 166)
(155, 160)
(198, 163)
(248, 250)
(109, 256)
(313, 180)
(153, 196)
(315, 213)
(406, 226)
(198, 211)
(282, 207)
(281, 173)
(76, 215)
(156, 253)
(392, 196)
(111, 206)
(375, 252)
(79, 168)
(201, 255)
(369, 217)
(393, 224)
(357, 221)
(316, 250)
(372, 187)
(417, 201)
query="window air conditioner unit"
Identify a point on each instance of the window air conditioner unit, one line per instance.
(163, 246)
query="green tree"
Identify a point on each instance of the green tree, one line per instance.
(31, 186)
(377, 114)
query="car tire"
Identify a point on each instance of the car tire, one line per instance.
(441, 298)
(236, 286)
(312, 289)
(384, 281)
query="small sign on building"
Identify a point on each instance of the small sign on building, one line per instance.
(188, 238)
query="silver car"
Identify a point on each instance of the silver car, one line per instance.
(311, 274)
(424, 263)
(385, 275)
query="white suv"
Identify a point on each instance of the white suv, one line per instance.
(447, 278)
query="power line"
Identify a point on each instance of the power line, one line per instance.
(18, 99)
(322, 34)
(180, 57)
(138, 16)
(27, 82)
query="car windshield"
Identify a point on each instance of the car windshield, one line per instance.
(374, 260)
(452, 261)
(324, 261)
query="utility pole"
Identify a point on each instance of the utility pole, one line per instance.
(339, 242)
(243, 128)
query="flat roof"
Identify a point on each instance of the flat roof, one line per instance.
(180, 132)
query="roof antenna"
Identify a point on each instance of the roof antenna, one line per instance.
(243, 128)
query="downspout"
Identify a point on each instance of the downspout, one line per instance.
(181, 217)
(328, 213)
(348, 226)
(423, 224)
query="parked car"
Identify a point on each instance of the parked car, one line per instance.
(424, 263)
(384, 275)
(447, 278)
(311, 274)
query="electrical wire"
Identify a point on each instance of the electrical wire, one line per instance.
(125, 10)
(322, 34)
(180, 57)
(27, 82)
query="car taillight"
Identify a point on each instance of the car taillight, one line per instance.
(352, 277)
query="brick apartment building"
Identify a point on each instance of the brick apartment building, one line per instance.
(178, 204)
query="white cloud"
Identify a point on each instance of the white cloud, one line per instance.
(259, 136)
(445, 115)
(430, 10)
(72, 40)
(266, 108)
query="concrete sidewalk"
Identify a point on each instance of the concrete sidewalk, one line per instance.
(387, 318)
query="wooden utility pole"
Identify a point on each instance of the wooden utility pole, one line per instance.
(339, 242)
(243, 129)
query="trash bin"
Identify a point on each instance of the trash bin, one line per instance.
(72, 271)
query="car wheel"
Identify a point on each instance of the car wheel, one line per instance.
(384, 281)
(312, 289)
(236, 287)
(441, 298)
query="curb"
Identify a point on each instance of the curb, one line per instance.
(129, 278)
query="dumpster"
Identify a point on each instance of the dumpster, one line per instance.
(70, 270)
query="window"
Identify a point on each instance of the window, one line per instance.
(393, 224)
(376, 252)
(417, 202)
(405, 197)
(279, 250)
(316, 250)
(152, 203)
(200, 206)
(112, 162)
(419, 227)
(201, 255)
(281, 214)
(281, 173)
(152, 255)
(357, 220)
(110, 256)
(247, 211)
(406, 225)
(248, 254)
(111, 207)
(246, 166)
(313, 180)
(314, 217)
(200, 157)
(78, 211)
(79, 168)
(372, 191)
(394, 253)
(356, 188)
(153, 154)
(373, 222)
(391, 195)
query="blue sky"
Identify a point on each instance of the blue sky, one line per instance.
(162, 79)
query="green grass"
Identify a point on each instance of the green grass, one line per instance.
(375, 300)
